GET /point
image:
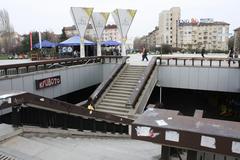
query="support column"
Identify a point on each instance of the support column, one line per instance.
(191, 155)
(82, 49)
(165, 153)
(16, 117)
(123, 48)
(160, 95)
(99, 51)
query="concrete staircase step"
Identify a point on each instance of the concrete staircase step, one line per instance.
(122, 88)
(127, 80)
(125, 83)
(119, 91)
(112, 104)
(113, 112)
(113, 101)
(108, 108)
(131, 74)
(136, 67)
(117, 97)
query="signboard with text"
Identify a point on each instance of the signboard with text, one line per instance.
(48, 82)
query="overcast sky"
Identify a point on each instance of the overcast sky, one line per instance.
(41, 15)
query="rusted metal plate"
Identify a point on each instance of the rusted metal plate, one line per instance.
(169, 128)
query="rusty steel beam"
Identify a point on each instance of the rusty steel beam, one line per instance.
(35, 101)
(168, 128)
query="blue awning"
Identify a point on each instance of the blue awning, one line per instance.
(110, 43)
(75, 41)
(45, 44)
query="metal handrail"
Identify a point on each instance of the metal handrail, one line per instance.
(193, 61)
(60, 63)
(45, 103)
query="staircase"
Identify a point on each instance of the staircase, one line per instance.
(3, 156)
(114, 100)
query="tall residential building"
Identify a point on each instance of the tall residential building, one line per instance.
(237, 40)
(151, 39)
(168, 21)
(207, 33)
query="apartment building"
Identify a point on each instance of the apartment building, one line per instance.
(168, 21)
(211, 35)
(72, 31)
(109, 33)
(237, 40)
(151, 39)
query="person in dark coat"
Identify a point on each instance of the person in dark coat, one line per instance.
(144, 54)
(203, 52)
(230, 56)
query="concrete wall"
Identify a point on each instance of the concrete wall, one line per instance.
(73, 78)
(201, 78)
(107, 69)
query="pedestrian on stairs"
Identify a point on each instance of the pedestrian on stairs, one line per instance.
(144, 54)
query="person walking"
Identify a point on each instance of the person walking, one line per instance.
(144, 54)
(203, 52)
(230, 56)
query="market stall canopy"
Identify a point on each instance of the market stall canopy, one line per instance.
(110, 43)
(75, 41)
(45, 44)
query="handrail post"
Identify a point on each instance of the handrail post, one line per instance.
(210, 62)
(184, 62)
(5, 71)
(16, 70)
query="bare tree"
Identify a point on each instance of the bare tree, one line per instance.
(6, 30)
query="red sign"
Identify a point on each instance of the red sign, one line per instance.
(48, 82)
(30, 38)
